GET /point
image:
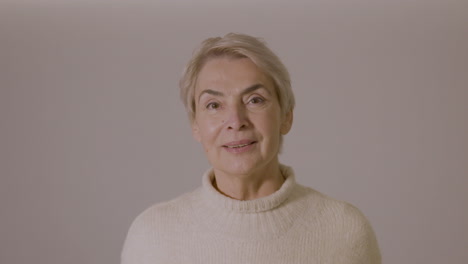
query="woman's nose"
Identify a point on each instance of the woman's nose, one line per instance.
(237, 118)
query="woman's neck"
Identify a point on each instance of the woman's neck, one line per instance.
(258, 184)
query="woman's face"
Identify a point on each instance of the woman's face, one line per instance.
(237, 117)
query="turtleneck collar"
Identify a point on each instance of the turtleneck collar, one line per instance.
(220, 201)
(268, 217)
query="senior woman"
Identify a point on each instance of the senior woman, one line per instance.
(249, 208)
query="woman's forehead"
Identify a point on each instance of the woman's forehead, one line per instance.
(231, 75)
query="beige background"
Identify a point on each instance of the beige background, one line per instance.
(93, 132)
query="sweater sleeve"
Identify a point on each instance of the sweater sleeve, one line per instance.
(136, 246)
(362, 239)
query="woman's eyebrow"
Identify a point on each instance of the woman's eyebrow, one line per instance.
(253, 88)
(209, 91)
(245, 91)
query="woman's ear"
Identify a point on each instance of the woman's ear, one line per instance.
(287, 123)
(196, 131)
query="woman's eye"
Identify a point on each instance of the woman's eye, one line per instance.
(212, 105)
(256, 100)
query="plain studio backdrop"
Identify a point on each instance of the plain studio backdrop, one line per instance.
(93, 131)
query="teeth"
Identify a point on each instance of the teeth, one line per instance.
(238, 146)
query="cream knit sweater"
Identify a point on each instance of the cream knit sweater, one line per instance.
(295, 224)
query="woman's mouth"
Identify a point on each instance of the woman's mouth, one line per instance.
(239, 146)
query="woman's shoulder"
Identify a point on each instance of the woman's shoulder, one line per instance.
(157, 223)
(165, 214)
(338, 224)
(324, 208)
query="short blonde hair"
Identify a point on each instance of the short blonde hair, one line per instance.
(237, 46)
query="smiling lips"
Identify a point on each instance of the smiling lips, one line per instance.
(239, 146)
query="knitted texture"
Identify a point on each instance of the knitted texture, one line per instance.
(296, 224)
